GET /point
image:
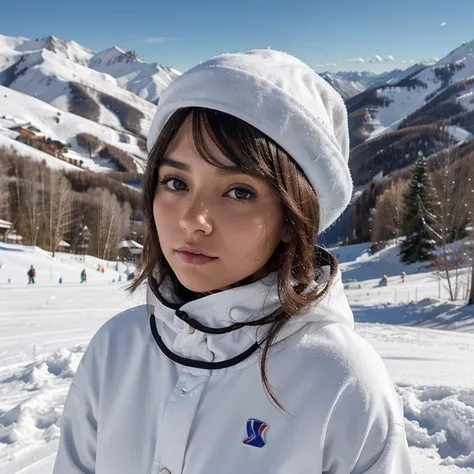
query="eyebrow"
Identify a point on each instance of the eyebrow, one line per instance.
(227, 170)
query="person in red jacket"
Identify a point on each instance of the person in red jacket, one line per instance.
(31, 275)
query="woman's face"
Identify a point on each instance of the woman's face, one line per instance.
(215, 227)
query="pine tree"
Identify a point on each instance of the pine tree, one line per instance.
(420, 221)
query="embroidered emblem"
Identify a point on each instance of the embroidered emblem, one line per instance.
(255, 433)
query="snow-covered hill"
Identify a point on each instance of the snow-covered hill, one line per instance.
(17, 108)
(451, 76)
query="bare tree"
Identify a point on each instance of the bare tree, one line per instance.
(112, 221)
(470, 241)
(452, 181)
(58, 209)
(470, 254)
(32, 192)
(4, 193)
(387, 217)
(452, 185)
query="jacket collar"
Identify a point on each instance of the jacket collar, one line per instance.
(199, 333)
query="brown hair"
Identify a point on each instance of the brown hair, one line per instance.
(258, 155)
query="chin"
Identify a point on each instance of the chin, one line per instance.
(198, 285)
(201, 283)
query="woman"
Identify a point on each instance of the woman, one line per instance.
(244, 360)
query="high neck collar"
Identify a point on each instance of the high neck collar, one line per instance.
(225, 308)
(187, 332)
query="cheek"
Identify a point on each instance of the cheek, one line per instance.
(259, 232)
(162, 213)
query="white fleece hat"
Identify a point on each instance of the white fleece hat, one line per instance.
(283, 98)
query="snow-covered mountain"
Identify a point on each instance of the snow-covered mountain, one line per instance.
(352, 83)
(113, 87)
(423, 112)
(346, 87)
(449, 80)
(364, 77)
(64, 89)
(67, 49)
(147, 80)
(395, 76)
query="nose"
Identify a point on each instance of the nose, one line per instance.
(196, 219)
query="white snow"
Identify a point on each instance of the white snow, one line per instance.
(403, 101)
(44, 331)
(107, 117)
(458, 133)
(467, 100)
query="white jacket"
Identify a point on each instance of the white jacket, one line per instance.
(131, 409)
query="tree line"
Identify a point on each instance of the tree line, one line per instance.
(89, 211)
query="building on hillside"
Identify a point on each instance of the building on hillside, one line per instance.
(54, 147)
(32, 136)
(63, 246)
(8, 234)
(130, 250)
(28, 131)
(5, 227)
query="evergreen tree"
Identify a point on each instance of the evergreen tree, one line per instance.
(420, 221)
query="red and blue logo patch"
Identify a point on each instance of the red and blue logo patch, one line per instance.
(255, 433)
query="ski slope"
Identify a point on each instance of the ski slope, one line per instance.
(45, 329)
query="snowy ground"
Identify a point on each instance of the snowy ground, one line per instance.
(44, 331)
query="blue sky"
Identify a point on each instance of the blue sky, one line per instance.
(329, 35)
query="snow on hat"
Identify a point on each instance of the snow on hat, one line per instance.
(283, 98)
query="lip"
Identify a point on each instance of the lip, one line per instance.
(193, 256)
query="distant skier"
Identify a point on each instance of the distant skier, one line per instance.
(385, 280)
(83, 276)
(403, 277)
(31, 275)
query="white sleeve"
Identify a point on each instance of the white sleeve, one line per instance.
(77, 445)
(366, 432)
